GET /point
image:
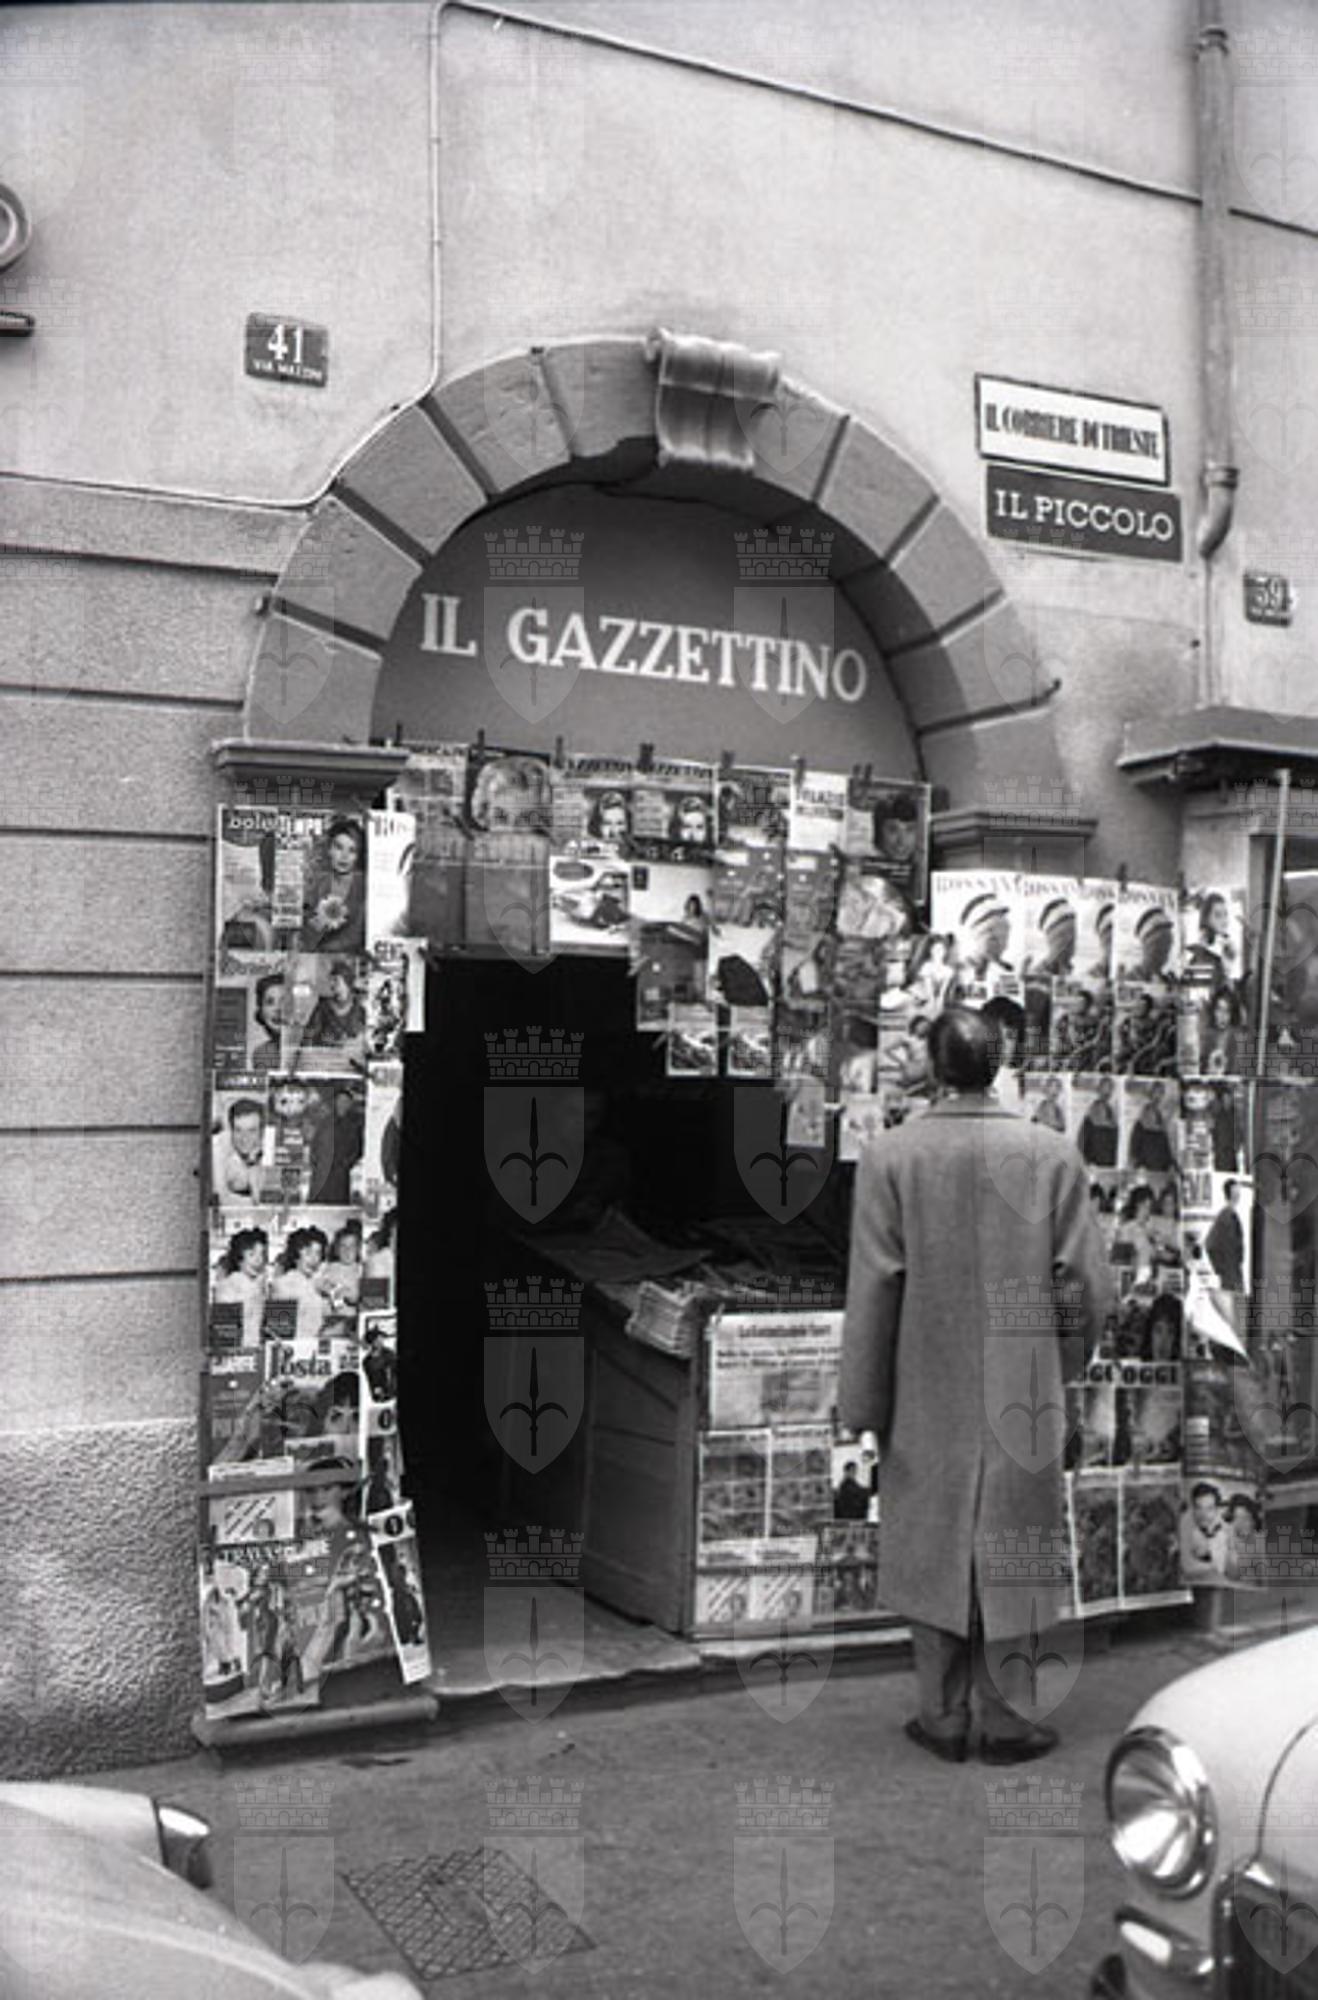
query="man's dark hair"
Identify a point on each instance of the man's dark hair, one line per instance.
(897, 805)
(1229, 1187)
(1203, 1491)
(1003, 1016)
(243, 1107)
(963, 1049)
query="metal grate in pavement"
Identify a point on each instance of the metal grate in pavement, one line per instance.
(465, 1912)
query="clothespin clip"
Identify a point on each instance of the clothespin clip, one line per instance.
(1182, 892)
(798, 770)
(479, 744)
(645, 757)
(726, 760)
(559, 759)
(398, 734)
(1123, 877)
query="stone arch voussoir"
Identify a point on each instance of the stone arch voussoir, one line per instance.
(956, 649)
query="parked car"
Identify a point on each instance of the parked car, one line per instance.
(105, 1893)
(1212, 1800)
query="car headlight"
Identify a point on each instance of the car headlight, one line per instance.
(185, 1845)
(1160, 1810)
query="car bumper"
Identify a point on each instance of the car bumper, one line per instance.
(1156, 1962)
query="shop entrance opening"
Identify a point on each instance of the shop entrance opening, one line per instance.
(654, 1188)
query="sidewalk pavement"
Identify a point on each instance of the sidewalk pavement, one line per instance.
(656, 1872)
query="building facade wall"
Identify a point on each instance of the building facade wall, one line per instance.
(914, 196)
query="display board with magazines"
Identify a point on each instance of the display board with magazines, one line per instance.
(309, 1564)
(783, 929)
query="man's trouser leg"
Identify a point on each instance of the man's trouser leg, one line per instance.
(942, 1679)
(997, 1718)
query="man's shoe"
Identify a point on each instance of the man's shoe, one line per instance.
(952, 1749)
(1034, 1742)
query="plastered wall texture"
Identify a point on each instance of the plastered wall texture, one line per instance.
(126, 630)
(533, 189)
(97, 1568)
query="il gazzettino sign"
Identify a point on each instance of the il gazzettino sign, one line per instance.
(1063, 430)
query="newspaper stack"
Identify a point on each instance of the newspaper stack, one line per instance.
(669, 1317)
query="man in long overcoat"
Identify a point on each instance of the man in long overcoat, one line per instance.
(978, 1283)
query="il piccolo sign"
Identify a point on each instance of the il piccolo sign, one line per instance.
(549, 628)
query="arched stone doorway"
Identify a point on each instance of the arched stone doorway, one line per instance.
(963, 668)
(956, 662)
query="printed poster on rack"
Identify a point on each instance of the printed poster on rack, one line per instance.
(1146, 942)
(754, 802)
(887, 822)
(592, 804)
(746, 910)
(772, 1368)
(290, 881)
(589, 903)
(817, 820)
(433, 789)
(283, 1274)
(979, 909)
(669, 938)
(392, 849)
(673, 811)
(398, 1566)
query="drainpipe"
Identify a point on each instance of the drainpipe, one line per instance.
(1220, 475)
